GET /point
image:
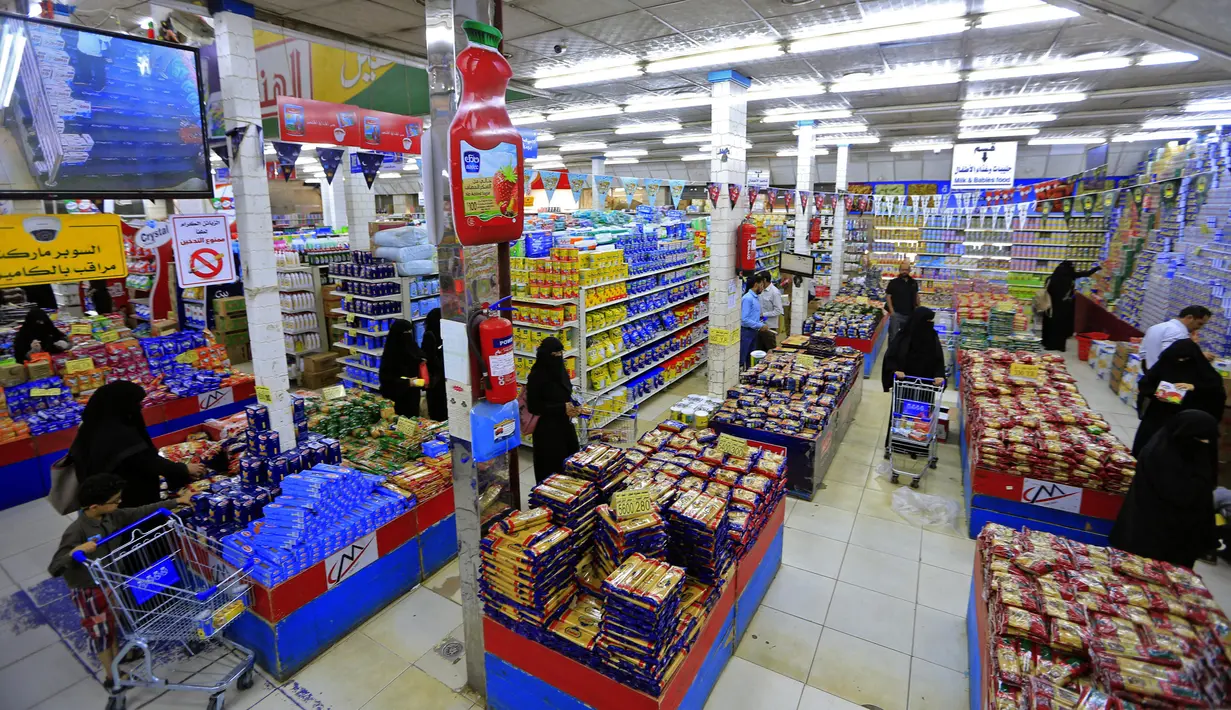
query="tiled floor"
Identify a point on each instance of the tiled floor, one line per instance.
(867, 609)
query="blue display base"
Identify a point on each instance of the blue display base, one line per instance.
(869, 360)
(750, 599)
(23, 482)
(974, 648)
(437, 545)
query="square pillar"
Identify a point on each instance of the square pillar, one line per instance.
(805, 164)
(728, 116)
(360, 206)
(333, 195)
(839, 222)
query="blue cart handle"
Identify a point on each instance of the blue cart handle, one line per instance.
(80, 556)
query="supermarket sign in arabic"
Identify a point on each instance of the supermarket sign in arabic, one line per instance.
(1056, 496)
(202, 249)
(44, 248)
(981, 166)
(309, 121)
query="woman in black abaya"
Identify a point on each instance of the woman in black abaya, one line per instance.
(399, 364)
(916, 351)
(38, 334)
(1058, 322)
(549, 395)
(433, 355)
(1182, 362)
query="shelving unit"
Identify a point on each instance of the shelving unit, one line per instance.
(299, 325)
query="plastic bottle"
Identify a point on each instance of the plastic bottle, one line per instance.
(485, 150)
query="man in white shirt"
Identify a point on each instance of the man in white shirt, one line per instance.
(771, 310)
(1160, 336)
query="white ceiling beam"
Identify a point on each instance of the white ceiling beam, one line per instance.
(1113, 15)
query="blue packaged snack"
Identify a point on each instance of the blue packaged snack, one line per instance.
(219, 510)
(276, 470)
(258, 417)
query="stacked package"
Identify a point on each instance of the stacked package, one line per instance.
(618, 539)
(575, 631)
(640, 639)
(425, 477)
(973, 335)
(1080, 626)
(571, 502)
(700, 541)
(527, 572)
(785, 394)
(601, 464)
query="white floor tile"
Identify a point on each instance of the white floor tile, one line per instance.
(816, 554)
(86, 693)
(29, 525)
(943, 589)
(414, 624)
(838, 495)
(780, 642)
(348, 675)
(860, 672)
(823, 520)
(447, 582)
(814, 699)
(22, 629)
(800, 593)
(879, 504)
(39, 676)
(276, 701)
(744, 685)
(872, 616)
(843, 470)
(414, 688)
(951, 553)
(940, 638)
(934, 687)
(881, 572)
(446, 662)
(897, 539)
(31, 563)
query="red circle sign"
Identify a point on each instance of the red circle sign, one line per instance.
(205, 263)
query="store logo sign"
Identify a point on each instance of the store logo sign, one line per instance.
(350, 559)
(1056, 496)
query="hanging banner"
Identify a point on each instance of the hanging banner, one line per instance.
(237, 137)
(309, 121)
(713, 189)
(753, 192)
(529, 142)
(676, 188)
(602, 188)
(733, 191)
(819, 201)
(41, 249)
(330, 159)
(528, 175)
(550, 178)
(274, 170)
(758, 179)
(288, 153)
(630, 187)
(651, 190)
(202, 245)
(577, 183)
(370, 164)
(790, 200)
(1170, 191)
(771, 198)
(979, 166)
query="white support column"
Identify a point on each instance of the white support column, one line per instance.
(242, 107)
(805, 165)
(728, 114)
(598, 164)
(839, 222)
(360, 206)
(333, 195)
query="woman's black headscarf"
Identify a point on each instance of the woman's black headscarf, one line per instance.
(916, 351)
(1183, 361)
(100, 296)
(1060, 283)
(112, 429)
(37, 326)
(399, 360)
(432, 324)
(549, 368)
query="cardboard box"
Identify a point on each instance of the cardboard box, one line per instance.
(39, 369)
(164, 327)
(231, 323)
(231, 305)
(317, 380)
(237, 338)
(238, 353)
(320, 362)
(12, 375)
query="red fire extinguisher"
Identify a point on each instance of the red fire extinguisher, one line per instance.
(496, 348)
(746, 247)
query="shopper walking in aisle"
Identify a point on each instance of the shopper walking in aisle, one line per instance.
(37, 334)
(100, 297)
(771, 310)
(1058, 320)
(901, 299)
(399, 364)
(113, 439)
(1168, 513)
(434, 355)
(41, 295)
(751, 324)
(1182, 363)
(1160, 336)
(916, 352)
(549, 396)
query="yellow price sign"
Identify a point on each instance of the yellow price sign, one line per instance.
(45, 391)
(630, 504)
(861, 300)
(110, 336)
(722, 336)
(806, 360)
(60, 248)
(407, 426)
(728, 444)
(350, 317)
(1023, 371)
(79, 365)
(187, 358)
(80, 329)
(333, 392)
(262, 395)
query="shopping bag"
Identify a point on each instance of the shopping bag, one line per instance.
(64, 486)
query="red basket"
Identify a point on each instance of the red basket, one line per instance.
(1083, 343)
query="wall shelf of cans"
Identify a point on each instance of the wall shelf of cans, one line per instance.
(299, 296)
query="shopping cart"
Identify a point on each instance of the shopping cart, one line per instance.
(606, 420)
(945, 323)
(171, 594)
(913, 423)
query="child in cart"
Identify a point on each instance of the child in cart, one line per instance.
(100, 516)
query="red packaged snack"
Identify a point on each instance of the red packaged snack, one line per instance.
(1146, 570)
(1149, 680)
(1068, 635)
(1008, 668)
(1060, 609)
(1021, 623)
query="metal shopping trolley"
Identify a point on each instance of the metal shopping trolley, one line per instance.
(945, 323)
(171, 594)
(913, 423)
(606, 421)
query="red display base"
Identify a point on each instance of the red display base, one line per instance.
(863, 346)
(1089, 316)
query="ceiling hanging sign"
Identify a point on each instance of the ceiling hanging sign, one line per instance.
(676, 190)
(651, 190)
(330, 159)
(41, 249)
(981, 166)
(577, 183)
(202, 249)
(550, 180)
(758, 179)
(308, 121)
(602, 188)
(630, 188)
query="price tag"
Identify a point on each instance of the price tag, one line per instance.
(79, 365)
(262, 395)
(861, 300)
(109, 337)
(333, 392)
(407, 427)
(80, 329)
(188, 357)
(728, 444)
(45, 391)
(722, 336)
(350, 317)
(806, 360)
(630, 504)
(1023, 371)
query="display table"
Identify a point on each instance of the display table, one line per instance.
(977, 635)
(25, 464)
(807, 460)
(870, 348)
(1089, 316)
(522, 673)
(294, 622)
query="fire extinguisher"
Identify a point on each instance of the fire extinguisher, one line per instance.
(496, 349)
(746, 246)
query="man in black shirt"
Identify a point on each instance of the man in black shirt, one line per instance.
(901, 299)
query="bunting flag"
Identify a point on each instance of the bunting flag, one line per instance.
(528, 175)
(370, 164)
(733, 191)
(237, 137)
(602, 188)
(577, 183)
(753, 192)
(651, 190)
(221, 152)
(676, 190)
(805, 198)
(713, 189)
(771, 198)
(790, 200)
(330, 159)
(551, 178)
(630, 188)
(1169, 192)
(820, 201)
(288, 153)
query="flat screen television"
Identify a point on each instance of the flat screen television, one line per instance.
(92, 114)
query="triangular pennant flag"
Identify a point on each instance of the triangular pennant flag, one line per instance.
(676, 190)
(753, 192)
(651, 190)
(790, 200)
(771, 198)
(733, 191)
(602, 186)
(820, 201)
(551, 178)
(221, 152)
(630, 188)
(805, 199)
(370, 164)
(528, 175)
(287, 171)
(288, 153)
(712, 190)
(236, 135)
(330, 159)
(577, 183)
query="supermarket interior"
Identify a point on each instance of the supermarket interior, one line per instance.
(645, 354)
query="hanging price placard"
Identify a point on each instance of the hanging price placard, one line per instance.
(630, 504)
(79, 365)
(262, 395)
(1023, 371)
(187, 358)
(728, 444)
(45, 391)
(333, 392)
(109, 337)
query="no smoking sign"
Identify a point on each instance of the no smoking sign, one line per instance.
(203, 250)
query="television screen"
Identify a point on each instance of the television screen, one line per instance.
(92, 114)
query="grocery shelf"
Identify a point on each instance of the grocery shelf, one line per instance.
(351, 363)
(553, 328)
(651, 341)
(388, 297)
(293, 269)
(639, 316)
(645, 369)
(193, 300)
(388, 279)
(299, 332)
(292, 312)
(646, 293)
(384, 316)
(544, 301)
(653, 392)
(356, 348)
(567, 353)
(349, 329)
(429, 295)
(676, 267)
(359, 382)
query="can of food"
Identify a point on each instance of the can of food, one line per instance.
(703, 419)
(756, 356)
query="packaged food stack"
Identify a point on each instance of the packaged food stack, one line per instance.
(973, 335)
(599, 463)
(425, 477)
(575, 631)
(699, 538)
(1080, 626)
(638, 639)
(787, 394)
(755, 496)
(1000, 322)
(820, 345)
(617, 539)
(572, 502)
(527, 574)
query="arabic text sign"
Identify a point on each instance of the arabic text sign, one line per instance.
(979, 166)
(40, 249)
(202, 250)
(1056, 496)
(308, 121)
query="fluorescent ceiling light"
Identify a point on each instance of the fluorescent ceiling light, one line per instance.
(1068, 66)
(1157, 58)
(526, 119)
(1068, 140)
(785, 91)
(640, 104)
(583, 146)
(1208, 105)
(622, 161)
(626, 153)
(550, 166)
(1067, 97)
(793, 115)
(544, 158)
(695, 156)
(1024, 16)
(1154, 136)
(588, 76)
(1221, 119)
(894, 33)
(846, 140)
(840, 128)
(721, 56)
(794, 152)
(1006, 118)
(883, 82)
(911, 147)
(388, 175)
(995, 132)
(689, 138)
(658, 127)
(888, 18)
(589, 112)
(544, 137)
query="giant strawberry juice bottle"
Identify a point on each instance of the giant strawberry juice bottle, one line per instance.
(485, 150)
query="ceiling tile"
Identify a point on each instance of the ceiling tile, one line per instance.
(574, 44)
(416, 48)
(774, 8)
(623, 29)
(660, 82)
(361, 17)
(1008, 40)
(572, 12)
(281, 6)
(662, 46)
(518, 23)
(809, 20)
(939, 49)
(691, 15)
(742, 33)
